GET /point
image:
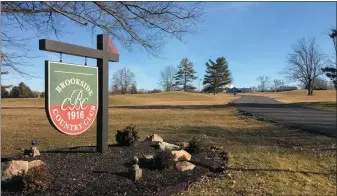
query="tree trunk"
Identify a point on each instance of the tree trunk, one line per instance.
(310, 88)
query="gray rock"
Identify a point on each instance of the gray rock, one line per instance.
(183, 145)
(35, 163)
(13, 168)
(34, 151)
(154, 138)
(168, 146)
(184, 165)
(181, 155)
(148, 156)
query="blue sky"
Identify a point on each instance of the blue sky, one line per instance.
(254, 37)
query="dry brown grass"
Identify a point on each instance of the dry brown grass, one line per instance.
(323, 99)
(250, 143)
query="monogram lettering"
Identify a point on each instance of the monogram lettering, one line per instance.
(76, 101)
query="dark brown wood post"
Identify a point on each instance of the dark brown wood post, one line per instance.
(103, 100)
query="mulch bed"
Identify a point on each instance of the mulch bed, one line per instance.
(82, 171)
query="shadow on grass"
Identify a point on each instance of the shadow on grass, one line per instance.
(280, 170)
(300, 105)
(173, 106)
(147, 107)
(292, 139)
(222, 169)
(272, 137)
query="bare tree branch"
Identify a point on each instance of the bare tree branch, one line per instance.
(264, 83)
(132, 24)
(305, 63)
(167, 78)
(123, 80)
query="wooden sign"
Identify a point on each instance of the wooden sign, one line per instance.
(72, 95)
(106, 52)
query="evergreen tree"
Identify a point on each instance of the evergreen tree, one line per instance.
(21, 91)
(331, 73)
(217, 75)
(185, 75)
(4, 92)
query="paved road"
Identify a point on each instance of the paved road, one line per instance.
(320, 121)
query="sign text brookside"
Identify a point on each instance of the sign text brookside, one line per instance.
(72, 96)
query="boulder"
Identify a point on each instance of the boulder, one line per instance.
(183, 145)
(35, 163)
(154, 138)
(148, 157)
(168, 146)
(184, 165)
(181, 155)
(14, 168)
(34, 152)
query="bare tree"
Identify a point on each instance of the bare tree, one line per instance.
(123, 80)
(142, 24)
(254, 88)
(278, 84)
(264, 83)
(320, 84)
(115, 89)
(167, 78)
(305, 63)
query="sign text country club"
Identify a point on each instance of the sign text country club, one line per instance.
(72, 96)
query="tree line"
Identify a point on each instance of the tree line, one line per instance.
(20, 91)
(217, 76)
(178, 78)
(278, 85)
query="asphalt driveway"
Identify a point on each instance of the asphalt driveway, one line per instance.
(311, 119)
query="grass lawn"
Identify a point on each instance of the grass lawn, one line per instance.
(272, 156)
(322, 99)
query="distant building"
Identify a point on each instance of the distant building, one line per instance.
(246, 90)
(232, 90)
(237, 90)
(288, 88)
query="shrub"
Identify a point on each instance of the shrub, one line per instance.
(128, 136)
(36, 179)
(197, 146)
(163, 160)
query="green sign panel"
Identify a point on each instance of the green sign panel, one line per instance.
(71, 96)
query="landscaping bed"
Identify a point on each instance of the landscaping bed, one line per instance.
(82, 171)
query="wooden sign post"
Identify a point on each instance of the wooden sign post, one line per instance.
(105, 53)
